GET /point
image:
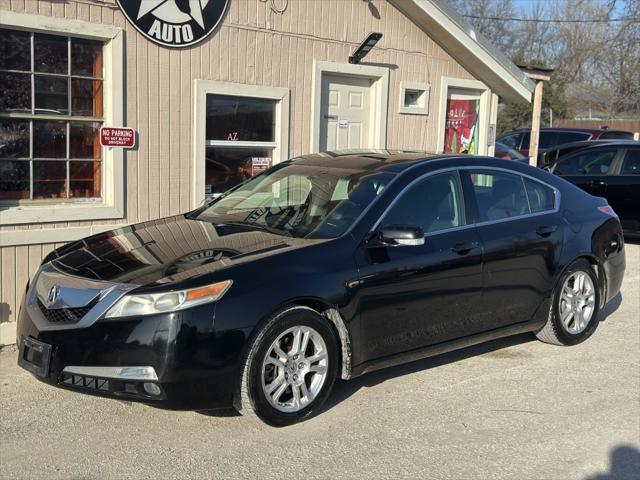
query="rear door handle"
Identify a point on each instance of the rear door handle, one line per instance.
(546, 231)
(462, 248)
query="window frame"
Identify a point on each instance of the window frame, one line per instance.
(425, 95)
(604, 148)
(280, 145)
(110, 205)
(467, 190)
(415, 183)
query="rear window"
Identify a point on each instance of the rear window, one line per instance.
(617, 135)
(541, 198)
(553, 139)
(511, 141)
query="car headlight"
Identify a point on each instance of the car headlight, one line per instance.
(150, 303)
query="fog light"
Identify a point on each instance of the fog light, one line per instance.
(152, 388)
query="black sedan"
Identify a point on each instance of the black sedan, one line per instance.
(606, 169)
(327, 266)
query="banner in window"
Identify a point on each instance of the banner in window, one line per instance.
(461, 127)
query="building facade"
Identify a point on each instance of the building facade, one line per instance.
(271, 81)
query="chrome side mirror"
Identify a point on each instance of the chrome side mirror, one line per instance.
(400, 236)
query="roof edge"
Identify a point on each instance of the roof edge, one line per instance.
(479, 56)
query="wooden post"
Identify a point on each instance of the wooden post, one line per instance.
(535, 124)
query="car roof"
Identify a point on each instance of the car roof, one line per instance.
(394, 161)
(569, 129)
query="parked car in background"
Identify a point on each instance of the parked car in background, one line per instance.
(506, 153)
(551, 137)
(327, 266)
(606, 169)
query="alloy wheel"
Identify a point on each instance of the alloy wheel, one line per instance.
(294, 369)
(577, 302)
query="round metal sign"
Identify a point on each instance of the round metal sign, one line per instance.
(174, 23)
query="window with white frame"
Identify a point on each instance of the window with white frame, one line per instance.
(414, 98)
(51, 110)
(241, 130)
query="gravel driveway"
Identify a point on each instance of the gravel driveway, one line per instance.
(513, 408)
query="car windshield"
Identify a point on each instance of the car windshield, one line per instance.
(299, 200)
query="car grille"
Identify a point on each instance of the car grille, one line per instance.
(65, 315)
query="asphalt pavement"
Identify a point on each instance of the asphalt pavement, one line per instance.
(513, 408)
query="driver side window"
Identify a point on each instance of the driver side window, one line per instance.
(590, 162)
(433, 204)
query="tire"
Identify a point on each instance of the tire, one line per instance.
(574, 329)
(264, 368)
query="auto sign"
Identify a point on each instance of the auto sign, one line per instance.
(174, 23)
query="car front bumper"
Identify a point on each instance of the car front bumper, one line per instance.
(192, 365)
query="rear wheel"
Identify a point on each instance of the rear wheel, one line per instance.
(574, 307)
(289, 371)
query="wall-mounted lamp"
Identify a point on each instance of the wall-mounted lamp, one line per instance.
(365, 47)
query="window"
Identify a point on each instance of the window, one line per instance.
(616, 136)
(541, 198)
(499, 195)
(568, 137)
(433, 204)
(51, 110)
(631, 164)
(414, 98)
(511, 141)
(586, 162)
(552, 138)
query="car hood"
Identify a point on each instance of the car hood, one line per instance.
(169, 250)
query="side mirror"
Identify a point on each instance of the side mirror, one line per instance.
(399, 236)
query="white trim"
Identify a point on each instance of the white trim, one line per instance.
(476, 88)
(204, 87)
(423, 109)
(439, 20)
(112, 205)
(493, 120)
(7, 333)
(10, 238)
(379, 91)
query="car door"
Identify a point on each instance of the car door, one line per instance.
(520, 229)
(623, 190)
(415, 296)
(590, 169)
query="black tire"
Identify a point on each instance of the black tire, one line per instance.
(553, 331)
(250, 399)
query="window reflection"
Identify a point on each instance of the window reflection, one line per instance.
(240, 118)
(50, 54)
(51, 95)
(49, 179)
(227, 167)
(49, 139)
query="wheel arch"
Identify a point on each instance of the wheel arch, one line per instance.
(598, 268)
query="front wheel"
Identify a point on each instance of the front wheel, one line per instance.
(290, 368)
(574, 307)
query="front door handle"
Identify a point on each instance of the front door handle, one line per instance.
(462, 248)
(546, 231)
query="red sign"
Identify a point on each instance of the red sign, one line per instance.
(117, 137)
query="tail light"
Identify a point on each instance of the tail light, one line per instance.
(608, 210)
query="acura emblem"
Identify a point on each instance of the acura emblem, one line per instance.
(53, 294)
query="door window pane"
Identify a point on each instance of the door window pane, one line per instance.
(15, 50)
(14, 138)
(631, 164)
(240, 119)
(51, 95)
(50, 54)
(14, 179)
(227, 167)
(511, 141)
(49, 139)
(15, 92)
(433, 204)
(541, 197)
(587, 162)
(86, 58)
(49, 179)
(499, 195)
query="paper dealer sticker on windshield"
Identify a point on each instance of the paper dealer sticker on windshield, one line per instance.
(174, 23)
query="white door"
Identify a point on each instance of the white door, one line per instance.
(346, 113)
